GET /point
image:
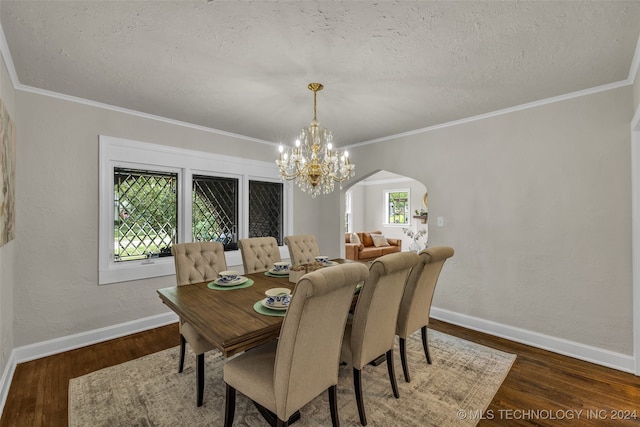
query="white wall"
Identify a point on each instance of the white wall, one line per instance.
(537, 207)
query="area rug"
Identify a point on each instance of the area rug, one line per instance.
(149, 391)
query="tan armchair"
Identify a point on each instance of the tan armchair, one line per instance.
(196, 262)
(285, 374)
(371, 333)
(259, 253)
(303, 248)
(416, 301)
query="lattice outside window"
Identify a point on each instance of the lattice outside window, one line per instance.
(145, 224)
(215, 210)
(265, 210)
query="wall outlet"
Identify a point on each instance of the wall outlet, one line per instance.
(440, 221)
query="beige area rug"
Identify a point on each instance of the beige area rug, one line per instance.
(149, 391)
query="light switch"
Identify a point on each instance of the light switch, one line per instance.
(440, 221)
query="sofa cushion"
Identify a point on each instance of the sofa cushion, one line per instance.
(354, 239)
(379, 240)
(366, 240)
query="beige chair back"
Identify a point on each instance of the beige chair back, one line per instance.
(421, 285)
(259, 253)
(303, 248)
(307, 358)
(374, 320)
(198, 261)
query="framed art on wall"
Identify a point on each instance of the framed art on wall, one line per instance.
(7, 176)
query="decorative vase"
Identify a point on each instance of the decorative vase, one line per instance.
(414, 247)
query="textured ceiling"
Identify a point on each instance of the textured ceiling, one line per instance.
(387, 67)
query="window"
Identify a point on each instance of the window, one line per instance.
(152, 196)
(265, 214)
(215, 210)
(397, 207)
(348, 219)
(146, 207)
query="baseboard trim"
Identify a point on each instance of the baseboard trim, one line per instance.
(599, 356)
(71, 342)
(5, 381)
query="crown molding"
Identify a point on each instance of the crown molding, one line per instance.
(4, 50)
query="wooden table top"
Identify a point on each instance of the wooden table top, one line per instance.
(226, 318)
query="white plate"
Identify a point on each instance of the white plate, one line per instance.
(279, 273)
(239, 281)
(273, 307)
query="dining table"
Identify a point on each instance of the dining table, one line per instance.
(226, 317)
(232, 318)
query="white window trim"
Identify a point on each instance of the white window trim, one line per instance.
(385, 201)
(118, 152)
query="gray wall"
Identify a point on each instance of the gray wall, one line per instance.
(537, 207)
(56, 292)
(536, 204)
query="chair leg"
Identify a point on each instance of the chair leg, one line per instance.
(183, 347)
(333, 405)
(357, 385)
(425, 344)
(392, 374)
(403, 358)
(229, 406)
(200, 375)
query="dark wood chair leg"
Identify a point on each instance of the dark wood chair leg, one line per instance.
(200, 375)
(183, 347)
(392, 374)
(357, 385)
(403, 359)
(425, 344)
(229, 406)
(272, 419)
(333, 405)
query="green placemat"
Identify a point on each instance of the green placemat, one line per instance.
(212, 285)
(270, 274)
(266, 311)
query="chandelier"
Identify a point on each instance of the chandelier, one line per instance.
(313, 163)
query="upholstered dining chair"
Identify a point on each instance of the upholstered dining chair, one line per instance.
(416, 301)
(303, 248)
(284, 375)
(196, 262)
(259, 253)
(371, 332)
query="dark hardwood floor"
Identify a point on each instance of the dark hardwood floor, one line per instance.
(542, 388)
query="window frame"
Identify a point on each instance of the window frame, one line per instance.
(386, 207)
(119, 152)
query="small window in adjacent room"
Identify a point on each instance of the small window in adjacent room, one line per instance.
(348, 218)
(397, 207)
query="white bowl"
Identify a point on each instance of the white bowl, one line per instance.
(228, 275)
(322, 258)
(280, 266)
(274, 292)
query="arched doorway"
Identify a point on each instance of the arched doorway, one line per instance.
(368, 207)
